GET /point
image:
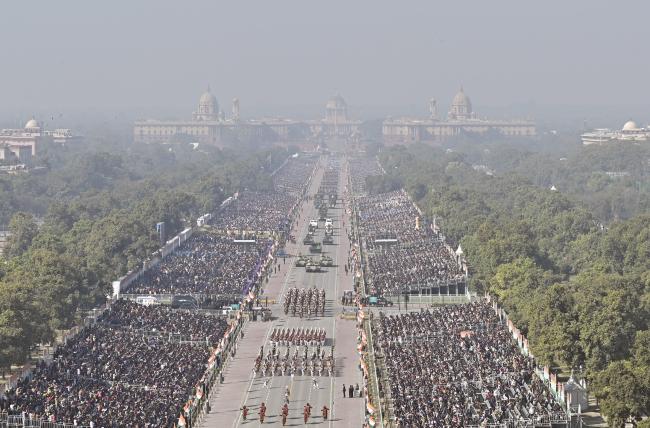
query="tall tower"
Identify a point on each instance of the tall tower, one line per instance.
(433, 108)
(235, 109)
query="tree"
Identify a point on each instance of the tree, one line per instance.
(619, 394)
(23, 229)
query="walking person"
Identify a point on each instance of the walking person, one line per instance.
(351, 391)
(344, 390)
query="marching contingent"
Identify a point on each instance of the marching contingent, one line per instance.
(298, 336)
(304, 360)
(305, 302)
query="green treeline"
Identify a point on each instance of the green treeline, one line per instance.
(578, 289)
(90, 216)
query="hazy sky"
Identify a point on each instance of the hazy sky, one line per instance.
(150, 58)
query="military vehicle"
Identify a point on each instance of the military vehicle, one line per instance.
(308, 239)
(312, 266)
(328, 240)
(326, 261)
(301, 261)
(316, 247)
(329, 229)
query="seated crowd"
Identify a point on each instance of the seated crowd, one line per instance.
(257, 212)
(207, 263)
(457, 366)
(293, 176)
(158, 319)
(137, 365)
(390, 215)
(360, 169)
(121, 371)
(395, 269)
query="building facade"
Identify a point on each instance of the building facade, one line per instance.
(629, 133)
(211, 126)
(461, 119)
(22, 144)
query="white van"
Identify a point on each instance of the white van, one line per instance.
(328, 222)
(313, 223)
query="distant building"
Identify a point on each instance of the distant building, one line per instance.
(22, 144)
(336, 123)
(210, 125)
(461, 119)
(630, 132)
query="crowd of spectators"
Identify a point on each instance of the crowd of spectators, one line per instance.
(136, 366)
(268, 211)
(207, 263)
(293, 176)
(402, 251)
(360, 170)
(256, 212)
(159, 320)
(457, 366)
(419, 266)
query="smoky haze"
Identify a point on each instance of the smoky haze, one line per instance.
(154, 58)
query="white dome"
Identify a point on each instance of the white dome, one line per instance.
(336, 101)
(207, 99)
(32, 123)
(629, 126)
(461, 99)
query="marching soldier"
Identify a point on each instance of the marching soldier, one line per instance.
(285, 413)
(325, 412)
(262, 412)
(244, 412)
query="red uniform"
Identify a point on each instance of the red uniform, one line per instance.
(244, 412)
(262, 412)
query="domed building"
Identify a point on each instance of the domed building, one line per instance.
(32, 124)
(336, 124)
(22, 144)
(461, 120)
(629, 132)
(630, 125)
(336, 109)
(461, 107)
(208, 107)
(208, 125)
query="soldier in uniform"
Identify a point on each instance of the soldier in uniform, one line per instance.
(262, 412)
(325, 412)
(285, 413)
(244, 412)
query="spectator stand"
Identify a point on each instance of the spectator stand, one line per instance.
(573, 409)
(375, 408)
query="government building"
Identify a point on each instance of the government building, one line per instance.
(210, 125)
(629, 133)
(461, 120)
(22, 144)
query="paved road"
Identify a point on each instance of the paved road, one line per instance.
(242, 387)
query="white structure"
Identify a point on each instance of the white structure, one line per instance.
(22, 144)
(461, 119)
(210, 125)
(336, 123)
(629, 132)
